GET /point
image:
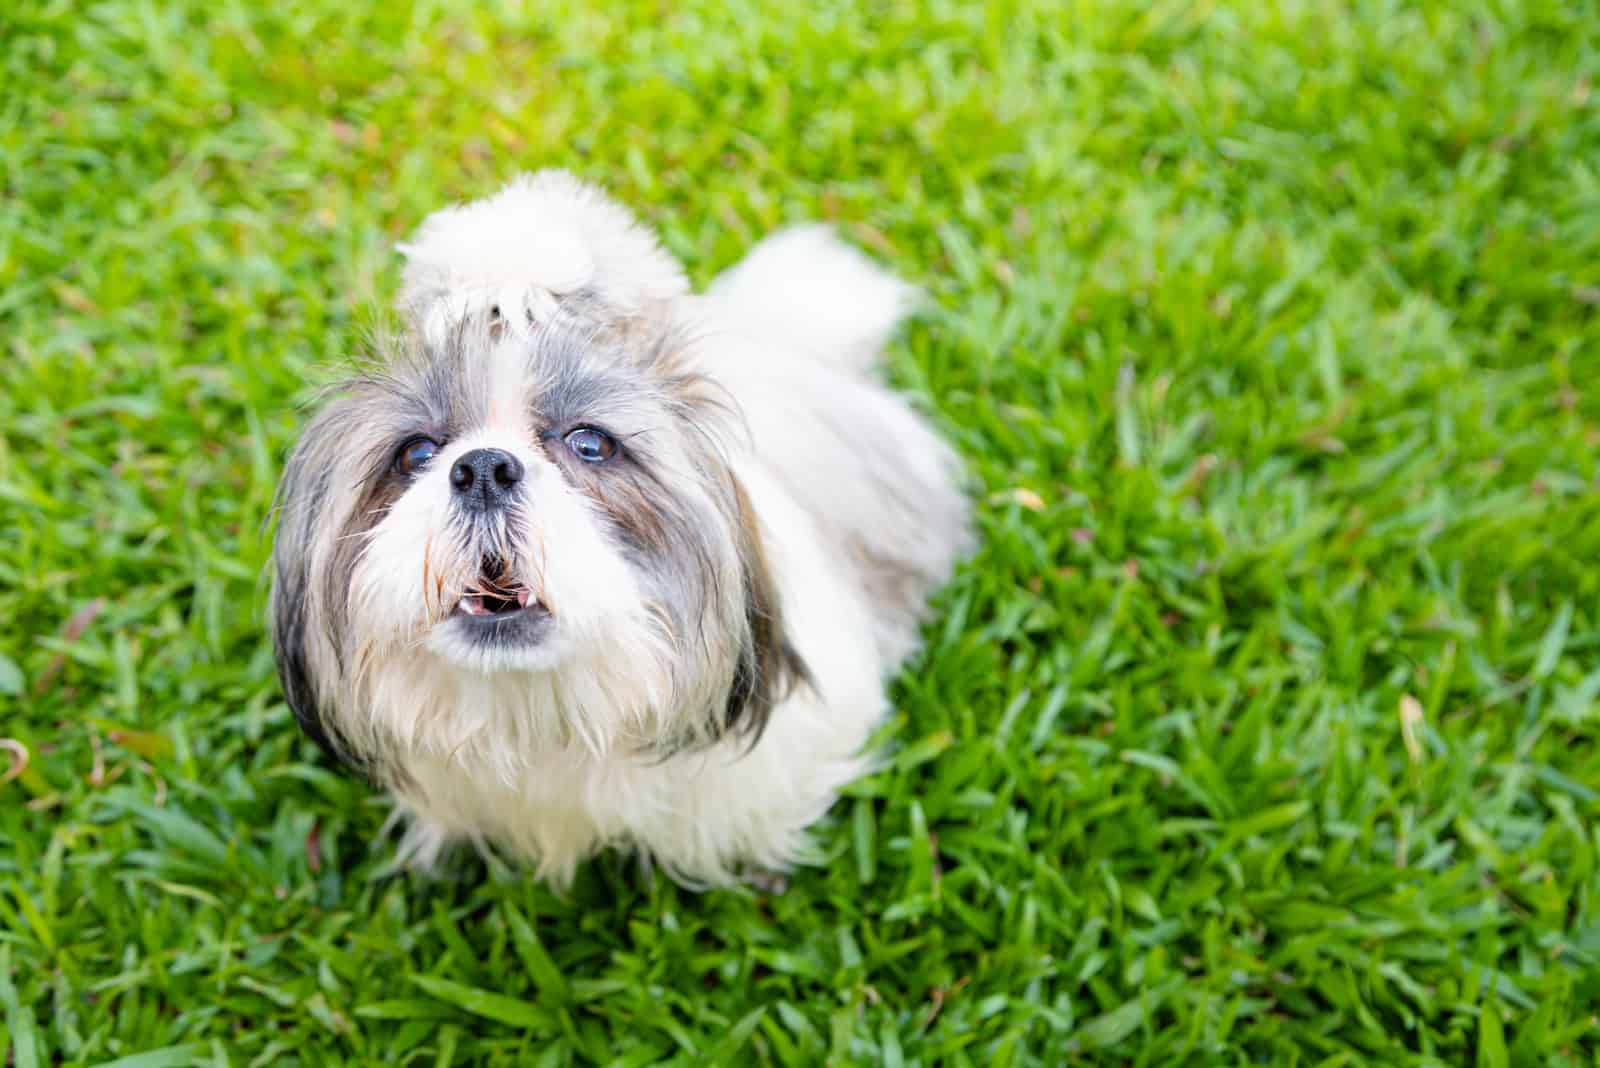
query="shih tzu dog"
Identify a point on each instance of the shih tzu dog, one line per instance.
(584, 559)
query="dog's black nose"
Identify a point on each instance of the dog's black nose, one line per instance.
(485, 478)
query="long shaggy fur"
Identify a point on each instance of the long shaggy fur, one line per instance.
(714, 608)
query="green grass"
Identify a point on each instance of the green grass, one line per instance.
(1264, 728)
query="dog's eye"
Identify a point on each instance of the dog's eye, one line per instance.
(591, 445)
(415, 454)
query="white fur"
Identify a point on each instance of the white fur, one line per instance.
(702, 815)
(542, 237)
(804, 287)
(549, 753)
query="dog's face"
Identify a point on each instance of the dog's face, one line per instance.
(543, 530)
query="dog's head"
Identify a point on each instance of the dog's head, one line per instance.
(536, 529)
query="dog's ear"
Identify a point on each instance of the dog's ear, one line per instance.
(294, 672)
(768, 665)
(289, 641)
(299, 507)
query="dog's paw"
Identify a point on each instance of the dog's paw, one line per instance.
(774, 883)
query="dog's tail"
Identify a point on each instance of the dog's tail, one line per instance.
(806, 287)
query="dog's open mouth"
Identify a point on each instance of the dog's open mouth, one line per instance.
(495, 593)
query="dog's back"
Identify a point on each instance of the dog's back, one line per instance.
(817, 312)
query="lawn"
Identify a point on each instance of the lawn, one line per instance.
(1264, 728)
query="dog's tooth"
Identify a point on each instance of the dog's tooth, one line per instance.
(524, 595)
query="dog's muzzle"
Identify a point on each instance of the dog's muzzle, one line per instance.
(485, 480)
